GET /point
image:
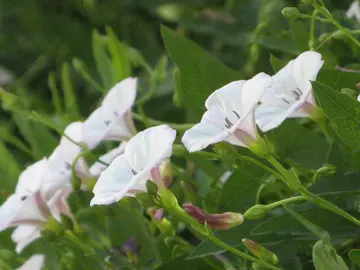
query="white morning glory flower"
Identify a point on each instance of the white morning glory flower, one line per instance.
(230, 115)
(24, 235)
(112, 120)
(358, 98)
(291, 95)
(354, 11)
(97, 167)
(128, 173)
(36, 262)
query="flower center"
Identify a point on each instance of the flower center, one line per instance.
(291, 97)
(228, 123)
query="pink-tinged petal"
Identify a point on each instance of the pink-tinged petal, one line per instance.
(58, 204)
(24, 235)
(31, 179)
(305, 69)
(36, 262)
(121, 97)
(97, 168)
(113, 183)
(150, 147)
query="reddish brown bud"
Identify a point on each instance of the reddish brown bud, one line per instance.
(223, 221)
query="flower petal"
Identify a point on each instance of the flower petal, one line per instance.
(149, 147)
(98, 167)
(34, 263)
(31, 179)
(121, 97)
(305, 69)
(96, 127)
(114, 182)
(8, 211)
(24, 235)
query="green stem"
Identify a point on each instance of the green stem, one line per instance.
(181, 127)
(284, 201)
(295, 184)
(171, 205)
(305, 16)
(327, 205)
(326, 13)
(239, 253)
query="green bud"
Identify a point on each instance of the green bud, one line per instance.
(260, 251)
(145, 199)
(339, 34)
(260, 148)
(292, 13)
(151, 187)
(256, 212)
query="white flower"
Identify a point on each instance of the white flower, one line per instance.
(128, 173)
(354, 11)
(230, 115)
(291, 95)
(6, 76)
(358, 98)
(112, 120)
(24, 235)
(36, 262)
(97, 167)
(60, 162)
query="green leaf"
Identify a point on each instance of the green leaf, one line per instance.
(71, 105)
(276, 63)
(103, 62)
(342, 111)
(119, 58)
(200, 72)
(299, 145)
(41, 140)
(325, 257)
(338, 79)
(9, 169)
(55, 93)
(354, 255)
(300, 34)
(239, 191)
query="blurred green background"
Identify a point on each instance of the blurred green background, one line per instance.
(66, 54)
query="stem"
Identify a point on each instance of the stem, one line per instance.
(170, 203)
(284, 201)
(239, 253)
(305, 16)
(181, 127)
(326, 13)
(327, 205)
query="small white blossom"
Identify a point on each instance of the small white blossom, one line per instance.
(291, 95)
(128, 173)
(230, 115)
(112, 120)
(36, 262)
(354, 11)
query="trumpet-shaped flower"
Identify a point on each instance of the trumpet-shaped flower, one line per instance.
(112, 120)
(230, 115)
(291, 95)
(128, 173)
(97, 167)
(354, 11)
(36, 262)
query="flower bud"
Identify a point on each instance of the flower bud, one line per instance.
(292, 13)
(223, 221)
(261, 252)
(256, 212)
